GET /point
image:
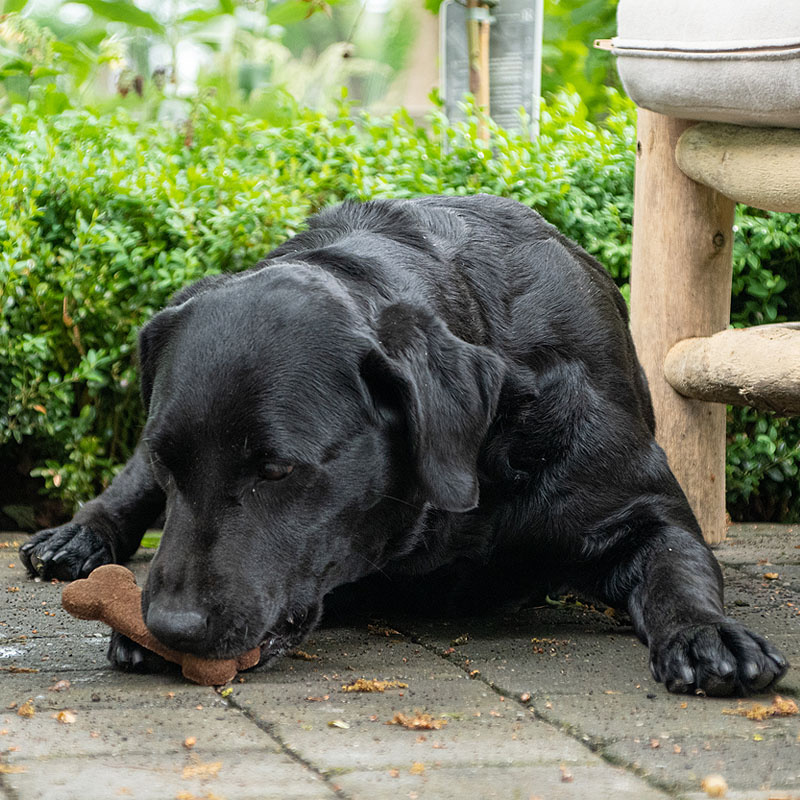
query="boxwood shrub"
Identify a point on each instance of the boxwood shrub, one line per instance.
(103, 217)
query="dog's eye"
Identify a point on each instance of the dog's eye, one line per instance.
(275, 472)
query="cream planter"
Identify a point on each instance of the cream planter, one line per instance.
(718, 60)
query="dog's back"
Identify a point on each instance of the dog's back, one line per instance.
(494, 270)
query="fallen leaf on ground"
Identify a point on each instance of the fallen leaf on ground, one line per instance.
(779, 708)
(11, 769)
(301, 654)
(27, 709)
(65, 717)
(771, 576)
(189, 742)
(60, 686)
(566, 775)
(380, 630)
(417, 768)
(339, 723)
(714, 785)
(417, 722)
(367, 685)
(201, 770)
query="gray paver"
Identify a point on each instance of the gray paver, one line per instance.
(158, 776)
(593, 723)
(496, 783)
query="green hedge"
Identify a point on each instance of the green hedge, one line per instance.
(102, 218)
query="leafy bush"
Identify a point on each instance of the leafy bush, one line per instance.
(102, 218)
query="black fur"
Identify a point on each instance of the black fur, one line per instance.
(453, 385)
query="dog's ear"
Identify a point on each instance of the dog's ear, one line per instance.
(447, 391)
(155, 335)
(153, 341)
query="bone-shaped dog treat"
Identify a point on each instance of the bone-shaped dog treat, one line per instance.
(110, 594)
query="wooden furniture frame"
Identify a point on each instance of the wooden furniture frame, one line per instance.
(680, 296)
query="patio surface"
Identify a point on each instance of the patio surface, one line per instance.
(553, 702)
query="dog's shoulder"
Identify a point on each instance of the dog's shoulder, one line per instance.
(395, 222)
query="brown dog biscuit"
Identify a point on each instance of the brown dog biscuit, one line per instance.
(110, 595)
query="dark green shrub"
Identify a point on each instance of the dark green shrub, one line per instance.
(102, 218)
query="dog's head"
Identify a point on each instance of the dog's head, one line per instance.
(298, 437)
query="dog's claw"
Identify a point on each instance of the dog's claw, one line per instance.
(68, 552)
(718, 659)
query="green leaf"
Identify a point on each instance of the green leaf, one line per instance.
(288, 12)
(775, 474)
(121, 11)
(151, 540)
(10, 6)
(44, 72)
(16, 67)
(201, 15)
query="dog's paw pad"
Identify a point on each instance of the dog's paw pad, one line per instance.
(719, 659)
(128, 656)
(65, 553)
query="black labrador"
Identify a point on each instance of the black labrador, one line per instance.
(441, 386)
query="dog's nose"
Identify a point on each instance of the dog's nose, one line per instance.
(178, 628)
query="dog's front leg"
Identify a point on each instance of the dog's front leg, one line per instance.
(106, 529)
(672, 585)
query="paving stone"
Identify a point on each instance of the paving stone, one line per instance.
(746, 764)
(477, 726)
(495, 783)
(149, 724)
(524, 656)
(596, 709)
(750, 794)
(750, 543)
(158, 776)
(346, 652)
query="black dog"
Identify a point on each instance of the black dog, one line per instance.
(441, 384)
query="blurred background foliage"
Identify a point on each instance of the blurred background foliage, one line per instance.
(260, 56)
(143, 146)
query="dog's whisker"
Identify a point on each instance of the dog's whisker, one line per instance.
(373, 564)
(396, 499)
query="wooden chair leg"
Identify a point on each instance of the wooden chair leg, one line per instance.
(681, 288)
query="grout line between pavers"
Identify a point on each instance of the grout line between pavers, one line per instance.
(593, 744)
(270, 730)
(7, 791)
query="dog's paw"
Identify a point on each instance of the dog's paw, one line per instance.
(125, 654)
(721, 658)
(66, 553)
